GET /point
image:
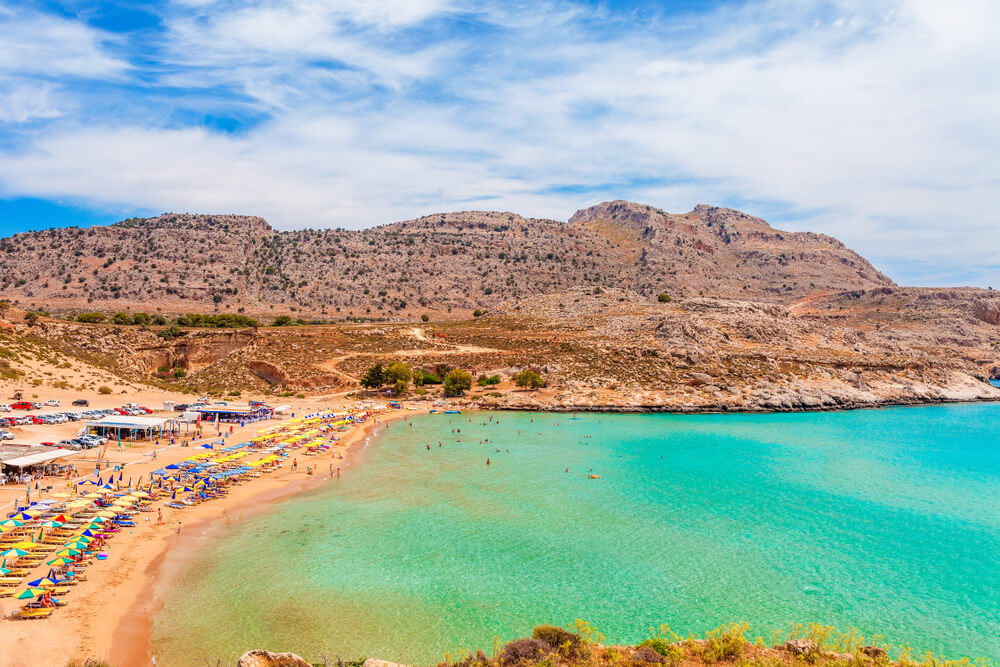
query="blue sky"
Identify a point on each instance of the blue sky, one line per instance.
(871, 120)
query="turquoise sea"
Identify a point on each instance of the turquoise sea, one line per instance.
(885, 520)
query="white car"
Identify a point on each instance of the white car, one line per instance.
(52, 403)
(4, 407)
(6, 435)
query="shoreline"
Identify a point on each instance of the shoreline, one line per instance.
(111, 614)
(132, 635)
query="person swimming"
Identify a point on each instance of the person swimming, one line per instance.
(487, 461)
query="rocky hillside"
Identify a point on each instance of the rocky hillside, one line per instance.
(598, 349)
(443, 263)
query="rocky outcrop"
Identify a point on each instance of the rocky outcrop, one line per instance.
(264, 658)
(987, 310)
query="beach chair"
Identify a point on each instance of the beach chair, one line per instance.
(7, 592)
(31, 614)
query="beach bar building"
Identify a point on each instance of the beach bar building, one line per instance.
(115, 427)
(235, 414)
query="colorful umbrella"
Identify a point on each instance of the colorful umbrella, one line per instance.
(52, 524)
(16, 553)
(30, 592)
(60, 561)
(44, 581)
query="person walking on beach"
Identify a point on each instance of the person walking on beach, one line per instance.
(159, 515)
(178, 527)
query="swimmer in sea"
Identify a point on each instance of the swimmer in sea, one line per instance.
(487, 463)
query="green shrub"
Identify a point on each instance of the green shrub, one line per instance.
(564, 641)
(488, 380)
(91, 318)
(519, 651)
(725, 643)
(663, 298)
(104, 389)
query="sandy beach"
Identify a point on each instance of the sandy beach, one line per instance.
(110, 615)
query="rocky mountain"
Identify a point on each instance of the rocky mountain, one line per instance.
(437, 264)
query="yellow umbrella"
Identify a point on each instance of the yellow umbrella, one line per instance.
(27, 544)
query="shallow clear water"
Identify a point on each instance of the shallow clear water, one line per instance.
(885, 520)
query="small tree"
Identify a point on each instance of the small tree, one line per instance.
(488, 380)
(140, 318)
(374, 377)
(120, 318)
(425, 318)
(282, 321)
(528, 378)
(397, 371)
(92, 318)
(663, 298)
(400, 387)
(456, 382)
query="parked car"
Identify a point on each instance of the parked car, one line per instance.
(4, 407)
(6, 435)
(35, 405)
(82, 402)
(181, 407)
(52, 403)
(47, 444)
(69, 444)
(21, 405)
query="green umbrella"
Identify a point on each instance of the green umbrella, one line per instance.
(30, 592)
(13, 552)
(51, 524)
(67, 551)
(60, 561)
(4, 571)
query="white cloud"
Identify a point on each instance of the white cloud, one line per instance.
(49, 46)
(874, 121)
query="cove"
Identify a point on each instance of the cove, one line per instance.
(885, 520)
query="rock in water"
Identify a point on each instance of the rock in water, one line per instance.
(263, 658)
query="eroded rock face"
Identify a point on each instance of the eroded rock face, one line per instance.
(263, 658)
(987, 310)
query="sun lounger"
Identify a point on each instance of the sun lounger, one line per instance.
(7, 592)
(30, 614)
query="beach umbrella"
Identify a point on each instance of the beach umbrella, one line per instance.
(98, 519)
(30, 592)
(52, 524)
(13, 553)
(68, 552)
(22, 516)
(62, 518)
(26, 544)
(11, 523)
(60, 561)
(44, 581)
